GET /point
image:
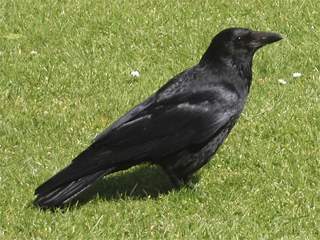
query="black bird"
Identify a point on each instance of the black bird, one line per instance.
(180, 127)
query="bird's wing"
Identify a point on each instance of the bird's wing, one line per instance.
(159, 127)
(125, 118)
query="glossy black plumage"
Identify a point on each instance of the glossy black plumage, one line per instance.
(180, 127)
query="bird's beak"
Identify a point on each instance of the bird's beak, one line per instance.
(259, 39)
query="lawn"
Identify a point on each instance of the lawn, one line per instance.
(65, 75)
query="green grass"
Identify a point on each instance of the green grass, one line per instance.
(264, 182)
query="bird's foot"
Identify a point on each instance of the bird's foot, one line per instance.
(183, 182)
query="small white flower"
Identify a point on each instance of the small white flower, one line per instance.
(135, 73)
(63, 12)
(34, 52)
(282, 81)
(296, 74)
(45, 112)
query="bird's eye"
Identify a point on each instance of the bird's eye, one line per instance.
(239, 39)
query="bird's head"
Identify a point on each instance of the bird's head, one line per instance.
(238, 43)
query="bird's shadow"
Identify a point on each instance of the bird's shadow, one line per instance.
(141, 182)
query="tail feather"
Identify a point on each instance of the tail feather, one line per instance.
(57, 197)
(86, 169)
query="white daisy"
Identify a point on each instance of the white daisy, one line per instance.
(282, 81)
(297, 74)
(135, 73)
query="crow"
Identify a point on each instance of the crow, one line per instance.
(180, 127)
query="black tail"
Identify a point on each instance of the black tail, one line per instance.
(82, 173)
(49, 197)
(86, 169)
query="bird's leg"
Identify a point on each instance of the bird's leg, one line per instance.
(177, 183)
(180, 182)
